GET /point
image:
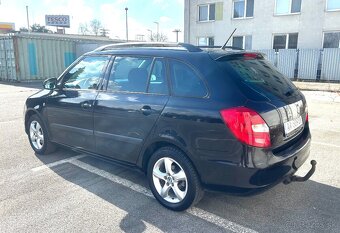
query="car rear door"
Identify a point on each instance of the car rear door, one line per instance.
(70, 108)
(124, 114)
(270, 93)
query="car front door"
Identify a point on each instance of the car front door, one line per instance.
(70, 107)
(137, 91)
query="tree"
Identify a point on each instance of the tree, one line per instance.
(158, 37)
(23, 29)
(38, 28)
(104, 32)
(95, 25)
(83, 28)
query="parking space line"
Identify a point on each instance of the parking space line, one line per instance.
(113, 178)
(326, 130)
(49, 165)
(217, 220)
(10, 121)
(325, 144)
(202, 214)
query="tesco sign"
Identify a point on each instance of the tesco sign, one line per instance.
(57, 20)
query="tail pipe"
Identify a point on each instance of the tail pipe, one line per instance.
(294, 178)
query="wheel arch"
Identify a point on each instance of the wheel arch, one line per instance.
(153, 147)
(28, 114)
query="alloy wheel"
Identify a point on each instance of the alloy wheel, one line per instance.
(36, 135)
(170, 180)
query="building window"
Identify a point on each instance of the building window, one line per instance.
(243, 8)
(331, 40)
(284, 7)
(205, 41)
(206, 12)
(285, 41)
(333, 5)
(242, 42)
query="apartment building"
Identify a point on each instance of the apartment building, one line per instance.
(263, 24)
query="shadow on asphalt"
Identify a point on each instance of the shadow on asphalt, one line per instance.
(298, 207)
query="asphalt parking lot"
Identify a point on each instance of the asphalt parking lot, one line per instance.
(72, 192)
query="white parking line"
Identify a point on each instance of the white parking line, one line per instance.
(113, 178)
(10, 121)
(217, 220)
(326, 130)
(49, 165)
(202, 214)
(325, 144)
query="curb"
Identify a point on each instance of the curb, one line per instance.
(314, 86)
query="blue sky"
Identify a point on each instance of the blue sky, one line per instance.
(141, 14)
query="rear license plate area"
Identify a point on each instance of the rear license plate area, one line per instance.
(292, 125)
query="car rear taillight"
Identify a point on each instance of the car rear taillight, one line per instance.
(247, 126)
(306, 116)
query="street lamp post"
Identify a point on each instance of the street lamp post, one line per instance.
(176, 31)
(126, 24)
(151, 36)
(157, 30)
(28, 21)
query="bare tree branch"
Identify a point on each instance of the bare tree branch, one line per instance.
(95, 25)
(158, 37)
(83, 28)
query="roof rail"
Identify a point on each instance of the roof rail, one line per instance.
(188, 47)
(219, 47)
(232, 47)
(208, 47)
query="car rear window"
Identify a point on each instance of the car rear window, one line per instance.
(185, 82)
(258, 72)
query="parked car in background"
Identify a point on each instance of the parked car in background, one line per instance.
(191, 119)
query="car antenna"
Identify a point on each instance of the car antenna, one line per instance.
(225, 44)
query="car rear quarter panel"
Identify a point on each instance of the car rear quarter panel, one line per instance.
(195, 126)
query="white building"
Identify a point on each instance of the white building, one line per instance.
(263, 24)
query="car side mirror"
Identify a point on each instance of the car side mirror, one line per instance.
(50, 84)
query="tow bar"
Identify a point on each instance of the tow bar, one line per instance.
(293, 178)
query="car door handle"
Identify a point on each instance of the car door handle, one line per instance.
(146, 110)
(86, 105)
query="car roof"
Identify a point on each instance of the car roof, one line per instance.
(173, 50)
(152, 51)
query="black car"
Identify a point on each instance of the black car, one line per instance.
(192, 119)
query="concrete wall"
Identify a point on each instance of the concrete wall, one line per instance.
(310, 23)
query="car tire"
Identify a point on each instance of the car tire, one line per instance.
(173, 179)
(38, 136)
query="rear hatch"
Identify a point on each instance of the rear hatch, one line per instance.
(270, 93)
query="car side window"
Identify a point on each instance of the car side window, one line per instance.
(158, 80)
(129, 74)
(86, 74)
(185, 82)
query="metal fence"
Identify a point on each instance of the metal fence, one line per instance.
(307, 64)
(330, 66)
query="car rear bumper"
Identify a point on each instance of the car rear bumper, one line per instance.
(220, 175)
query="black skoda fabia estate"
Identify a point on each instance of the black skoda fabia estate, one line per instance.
(192, 119)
